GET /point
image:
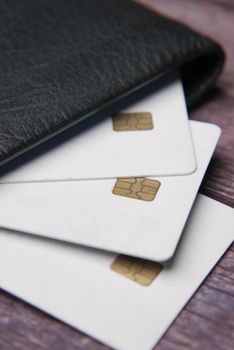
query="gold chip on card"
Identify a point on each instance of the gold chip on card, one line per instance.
(137, 187)
(138, 270)
(132, 121)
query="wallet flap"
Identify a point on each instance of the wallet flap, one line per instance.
(62, 61)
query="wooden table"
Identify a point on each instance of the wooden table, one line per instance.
(207, 321)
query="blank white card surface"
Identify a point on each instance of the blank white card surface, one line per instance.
(88, 213)
(149, 138)
(78, 286)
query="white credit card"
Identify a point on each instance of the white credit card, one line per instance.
(149, 138)
(126, 304)
(103, 215)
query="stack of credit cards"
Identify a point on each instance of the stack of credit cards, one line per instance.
(102, 226)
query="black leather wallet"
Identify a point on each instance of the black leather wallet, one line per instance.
(62, 61)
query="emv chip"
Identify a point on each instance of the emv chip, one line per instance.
(132, 121)
(138, 270)
(137, 187)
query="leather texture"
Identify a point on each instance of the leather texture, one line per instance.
(62, 61)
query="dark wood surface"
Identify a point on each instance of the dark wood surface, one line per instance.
(207, 321)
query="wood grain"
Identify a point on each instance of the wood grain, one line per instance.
(207, 321)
